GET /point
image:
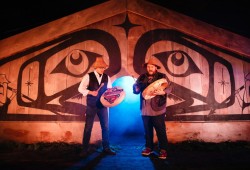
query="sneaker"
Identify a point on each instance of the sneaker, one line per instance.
(162, 154)
(146, 151)
(108, 151)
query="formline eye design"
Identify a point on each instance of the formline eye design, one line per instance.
(178, 63)
(76, 63)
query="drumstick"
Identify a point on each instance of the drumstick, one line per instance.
(100, 87)
(77, 95)
(133, 77)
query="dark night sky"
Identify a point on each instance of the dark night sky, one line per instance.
(19, 16)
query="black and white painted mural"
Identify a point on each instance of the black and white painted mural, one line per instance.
(40, 83)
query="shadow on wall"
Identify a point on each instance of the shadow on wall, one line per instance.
(125, 117)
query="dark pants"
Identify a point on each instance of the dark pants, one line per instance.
(104, 121)
(158, 123)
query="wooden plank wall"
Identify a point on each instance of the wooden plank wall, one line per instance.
(40, 71)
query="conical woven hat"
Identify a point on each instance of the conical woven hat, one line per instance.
(99, 62)
(152, 61)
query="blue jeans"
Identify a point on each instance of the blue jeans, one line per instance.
(104, 121)
(157, 122)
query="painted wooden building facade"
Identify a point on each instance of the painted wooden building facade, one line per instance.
(40, 71)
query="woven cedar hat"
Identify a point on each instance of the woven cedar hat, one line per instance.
(99, 62)
(152, 61)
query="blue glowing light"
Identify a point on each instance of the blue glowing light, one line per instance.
(125, 118)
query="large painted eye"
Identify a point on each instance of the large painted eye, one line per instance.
(178, 63)
(76, 63)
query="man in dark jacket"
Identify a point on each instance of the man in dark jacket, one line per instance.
(153, 107)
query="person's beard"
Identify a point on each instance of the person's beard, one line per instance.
(150, 75)
(151, 72)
